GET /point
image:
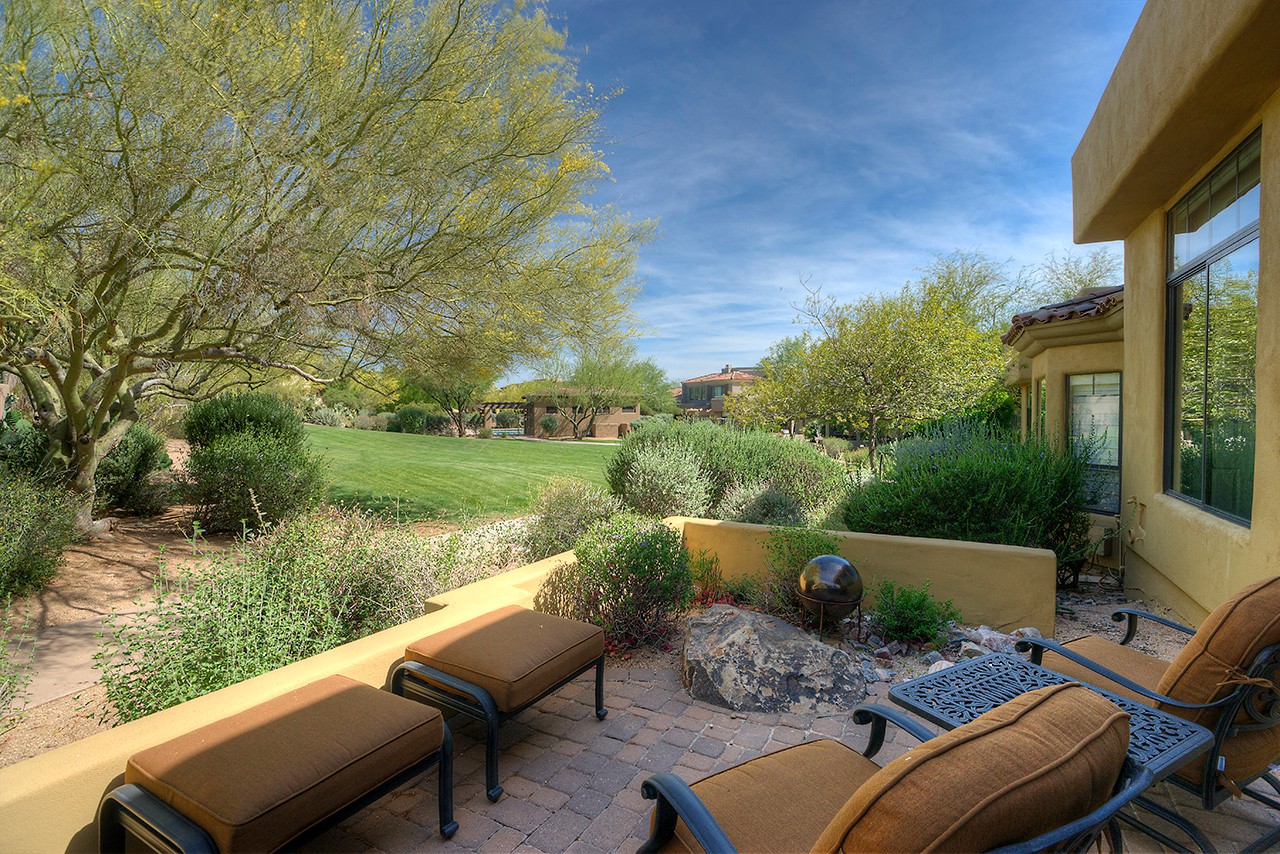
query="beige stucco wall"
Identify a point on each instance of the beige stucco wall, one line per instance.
(1192, 73)
(1185, 556)
(1006, 587)
(48, 803)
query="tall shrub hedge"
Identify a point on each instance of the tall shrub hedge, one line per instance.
(969, 481)
(238, 413)
(729, 457)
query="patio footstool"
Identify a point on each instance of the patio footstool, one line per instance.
(279, 773)
(495, 666)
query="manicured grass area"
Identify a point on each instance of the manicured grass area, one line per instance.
(440, 477)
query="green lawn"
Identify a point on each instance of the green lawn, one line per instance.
(440, 477)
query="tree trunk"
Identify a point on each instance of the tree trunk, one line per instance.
(871, 443)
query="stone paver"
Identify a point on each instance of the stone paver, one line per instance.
(573, 783)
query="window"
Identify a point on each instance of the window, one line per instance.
(551, 410)
(1093, 410)
(628, 409)
(1212, 318)
(717, 391)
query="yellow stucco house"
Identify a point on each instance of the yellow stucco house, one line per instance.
(1182, 162)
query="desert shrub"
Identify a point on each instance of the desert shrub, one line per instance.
(35, 528)
(17, 646)
(485, 433)
(907, 613)
(251, 479)
(967, 481)
(124, 477)
(22, 447)
(760, 504)
(667, 482)
(226, 414)
(393, 423)
(474, 420)
(507, 418)
(835, 447)
(370, 422)
(329, 416)
(435, 423)
(660, 418)
(728, 456)
(306, 586)
(564, 508)
(631, 579)
(708, 582)
(787, 551)
(549, 424)
(412, 419)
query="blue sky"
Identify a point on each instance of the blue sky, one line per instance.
(845, 143)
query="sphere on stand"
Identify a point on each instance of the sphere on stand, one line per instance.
(830, 587)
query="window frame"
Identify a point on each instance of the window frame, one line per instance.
(1070, 429)
(1197, 266)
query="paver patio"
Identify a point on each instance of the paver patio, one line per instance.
(573, 783)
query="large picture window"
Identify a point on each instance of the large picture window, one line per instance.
(1212, 338)
(1094, 413)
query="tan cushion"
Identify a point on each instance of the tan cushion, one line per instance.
(513, 653)
(781, 801)
(1022, 769)
(1212, 663)
(261, 777)
(1144, 669)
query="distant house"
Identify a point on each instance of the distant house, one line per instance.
(611, 422)
(704, 396)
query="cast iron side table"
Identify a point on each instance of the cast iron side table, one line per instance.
(955, 696)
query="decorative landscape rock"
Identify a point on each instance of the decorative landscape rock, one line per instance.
(748, 661)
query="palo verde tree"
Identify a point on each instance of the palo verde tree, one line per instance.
(195, 192)
(592, 377)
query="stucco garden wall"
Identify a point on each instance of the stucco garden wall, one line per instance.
(48, 803)
(1006, 587)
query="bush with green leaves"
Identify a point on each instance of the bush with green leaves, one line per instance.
(968, 481)
(787, 550)
(125, 477)
(253, 412)
(435, 423)
(910, 614)
(330, 416)
(412, 419)
(729, 456)
(474, 420)
(631, 578)
(370, 422)
(760, 504)
(549, 424)
(17, 648)
(35, 528)
(247, 480)
(508, 418)
(563, 509)
(306, 586)
(667, 482)
(22, 447)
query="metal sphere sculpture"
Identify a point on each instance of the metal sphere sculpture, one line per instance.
(830, 588)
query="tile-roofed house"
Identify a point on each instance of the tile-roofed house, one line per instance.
(703, 397)
(1092, 302)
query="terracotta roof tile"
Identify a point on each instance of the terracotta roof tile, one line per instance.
(1091, 304)
(732, 375)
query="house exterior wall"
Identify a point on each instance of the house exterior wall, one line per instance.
(613, 424)
(1195, 81)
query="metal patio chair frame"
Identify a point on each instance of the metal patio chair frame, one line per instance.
(1261, 704)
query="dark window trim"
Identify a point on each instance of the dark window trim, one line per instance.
(1198, 265)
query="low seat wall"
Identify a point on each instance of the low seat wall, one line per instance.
(48, 803)
(1005, 587)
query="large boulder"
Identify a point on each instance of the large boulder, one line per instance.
(752, 662)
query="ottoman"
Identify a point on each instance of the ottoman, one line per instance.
(279, 773)
(495, 666)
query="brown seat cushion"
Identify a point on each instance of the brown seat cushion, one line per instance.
(259, 778)
(1022, 769)
(513, 653)
(1212, 663)
(781, 801)
(1144, 669)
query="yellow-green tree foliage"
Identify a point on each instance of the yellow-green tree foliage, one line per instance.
(195, 190)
